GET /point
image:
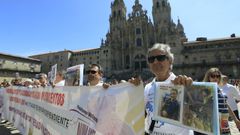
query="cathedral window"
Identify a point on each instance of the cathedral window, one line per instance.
(114, 14)
(203, 61)
(140, 62)
(127, 60)
(139, 42)
(158, 5)
(143, 64)
(194, 59)
(137, 66)
(127, 45)
(119, 12)
(163, 3)
(138, 31)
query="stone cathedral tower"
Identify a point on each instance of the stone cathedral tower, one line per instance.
(131, 35)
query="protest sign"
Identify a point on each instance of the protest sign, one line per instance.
(53, 73)
(194, 107)
(74, 75)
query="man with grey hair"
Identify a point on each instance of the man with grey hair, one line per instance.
(43, 79)
(160, 61)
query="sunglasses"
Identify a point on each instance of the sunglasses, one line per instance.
(91, 71)
(215, 76)
(158, 57)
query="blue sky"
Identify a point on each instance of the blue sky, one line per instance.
(30, 27)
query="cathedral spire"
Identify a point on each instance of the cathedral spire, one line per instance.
(118, 2)
(136, 2)
(118, 10)
(161, 12)
(118, 16)
(137, 9)
(180, 28)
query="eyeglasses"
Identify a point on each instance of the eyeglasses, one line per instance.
(215, 76)
(91, 71)
(158, 57)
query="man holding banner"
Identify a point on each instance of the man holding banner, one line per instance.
(94, 76)
(160, 61)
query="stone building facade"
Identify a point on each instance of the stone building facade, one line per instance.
(61, 58)
(25, 67)
(124, 49)
(202, 54)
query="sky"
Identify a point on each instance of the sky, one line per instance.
(29, 27)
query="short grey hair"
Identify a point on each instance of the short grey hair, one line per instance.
(163, 48)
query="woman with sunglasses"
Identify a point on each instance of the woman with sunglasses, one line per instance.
(214, 75)
(160, 61)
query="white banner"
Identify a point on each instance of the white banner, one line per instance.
(119, 110)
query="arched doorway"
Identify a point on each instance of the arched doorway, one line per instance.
(140, 62)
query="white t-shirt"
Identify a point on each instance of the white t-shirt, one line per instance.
(61, 83)
(100, 83)
(232, 93)
(160, 128)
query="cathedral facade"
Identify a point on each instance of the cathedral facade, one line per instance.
(131, 35)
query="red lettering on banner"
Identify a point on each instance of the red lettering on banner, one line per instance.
(53, 98)
(26, 93)
(17, 100)
(49, 97)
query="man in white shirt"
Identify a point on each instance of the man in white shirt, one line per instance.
(160, 61)
(232, 94)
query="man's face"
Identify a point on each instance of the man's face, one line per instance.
(173, 94)
(161, 66)
(42, 80)
(93, 74)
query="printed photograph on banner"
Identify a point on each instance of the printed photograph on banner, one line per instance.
(169, 101)
(198, 107)
(74, 75)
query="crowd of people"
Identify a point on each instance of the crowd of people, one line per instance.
(160, 61)
(30, 83)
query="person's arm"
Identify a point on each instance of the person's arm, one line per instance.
(234, 117)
